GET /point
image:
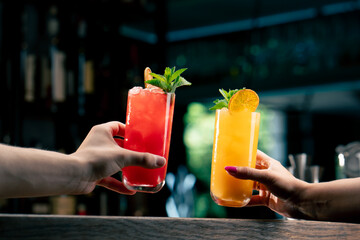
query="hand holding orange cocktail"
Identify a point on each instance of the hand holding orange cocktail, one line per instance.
(235, 144)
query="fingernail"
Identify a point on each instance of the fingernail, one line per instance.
(231, 170)
(160, 162)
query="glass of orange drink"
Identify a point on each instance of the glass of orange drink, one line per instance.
(235, 144)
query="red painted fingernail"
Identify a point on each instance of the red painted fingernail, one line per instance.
(231, 170)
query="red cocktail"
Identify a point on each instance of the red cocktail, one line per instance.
(148, 129)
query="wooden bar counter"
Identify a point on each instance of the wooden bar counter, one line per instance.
(16, 226)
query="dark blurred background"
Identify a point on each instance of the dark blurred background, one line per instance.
(67, 65)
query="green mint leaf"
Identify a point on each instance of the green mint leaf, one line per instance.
(177, 73)
(175, 84)
(179, 81)
(170, 80)
(219, 104)
(168, 71)
(167, 74)
(158, 83)
(223, 102)
(184, 82)
(224, 94)
(158, 76)
(231, 93)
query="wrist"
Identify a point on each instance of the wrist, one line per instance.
(81, 180)
(303, 201)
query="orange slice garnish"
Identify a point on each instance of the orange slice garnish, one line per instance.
(147, 76)
(244, 100)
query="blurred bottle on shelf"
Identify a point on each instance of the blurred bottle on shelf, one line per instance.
(63, 205)
(348, 160)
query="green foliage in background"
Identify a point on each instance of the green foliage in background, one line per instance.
(266, 142)
(198, 139)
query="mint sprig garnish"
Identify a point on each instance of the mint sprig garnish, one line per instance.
(221, 103)
(170, 80)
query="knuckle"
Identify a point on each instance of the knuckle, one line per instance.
(147, 159)
(95, 128)
(141, 159)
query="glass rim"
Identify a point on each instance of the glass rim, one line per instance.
(237, 113)
(143, 88)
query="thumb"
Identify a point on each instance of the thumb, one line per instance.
(146, 160)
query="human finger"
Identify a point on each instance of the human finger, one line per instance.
(258, 186)
(146, 160)
(256, 201)
(115, 185)
(262, 160)
(259, 175)
(115, 128)
(119, 142)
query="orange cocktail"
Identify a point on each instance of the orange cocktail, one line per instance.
(235, 144)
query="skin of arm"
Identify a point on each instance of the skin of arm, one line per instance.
(29, 172)
(279, 190)
(337, 200)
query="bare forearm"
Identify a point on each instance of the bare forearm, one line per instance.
(26, 172)
(333, 201)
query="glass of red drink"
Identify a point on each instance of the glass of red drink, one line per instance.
(149, 119)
